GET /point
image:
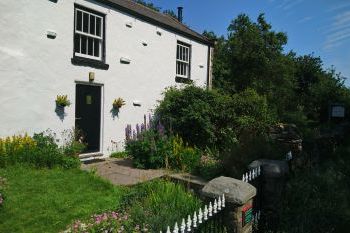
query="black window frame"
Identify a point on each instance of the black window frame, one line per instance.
(84, 61)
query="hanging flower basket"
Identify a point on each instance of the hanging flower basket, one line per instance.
(118, 103)
(62, 101)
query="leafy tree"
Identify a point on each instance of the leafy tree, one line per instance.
(149, 5)
(171, 13)
(298, 89)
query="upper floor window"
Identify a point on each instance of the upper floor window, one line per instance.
(183, 60)
(88, 34)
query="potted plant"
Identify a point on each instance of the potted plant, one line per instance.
(118, 103)
(62, 101)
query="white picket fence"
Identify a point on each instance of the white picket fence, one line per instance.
(196, 220)
(248, 177)
(251, 175)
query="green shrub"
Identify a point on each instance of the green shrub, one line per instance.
(153, 150)
(210, 119)
(209, 167)
(251, 147)
(202, 118)
(159, 203)
(40, 150)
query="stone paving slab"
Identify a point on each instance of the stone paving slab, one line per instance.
(121, 171)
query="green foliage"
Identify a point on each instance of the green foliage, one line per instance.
(210, 119)
(251, 147)
(150, 5)
(297, 88)
(202, 118)
(210, 167)
(171, 13)
(310, 205)
(63, 101)
(40, 151)
(153, 150)
(121, 154)
(154, 204)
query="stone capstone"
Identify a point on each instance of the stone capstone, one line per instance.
(236, 191)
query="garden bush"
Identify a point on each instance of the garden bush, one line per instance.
(209, 167)
(202, 118)
(155, 150)
(41, 150)
(211, 119)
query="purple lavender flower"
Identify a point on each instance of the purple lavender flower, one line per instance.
(134, 136)
(137, 130)
(150, 120)
(160, 129)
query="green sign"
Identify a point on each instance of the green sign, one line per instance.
(247, 215)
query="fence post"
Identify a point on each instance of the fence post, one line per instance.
(239, 202)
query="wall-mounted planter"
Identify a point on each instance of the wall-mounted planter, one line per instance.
(62, 101)
(118, 103)
(125, 60)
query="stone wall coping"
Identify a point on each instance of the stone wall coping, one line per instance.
(236, 191)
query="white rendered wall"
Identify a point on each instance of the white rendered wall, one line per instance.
(34, 69)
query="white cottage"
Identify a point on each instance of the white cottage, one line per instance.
(93, 51)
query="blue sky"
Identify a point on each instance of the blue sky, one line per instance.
(321, 27)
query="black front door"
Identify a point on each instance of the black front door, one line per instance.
(88, 115)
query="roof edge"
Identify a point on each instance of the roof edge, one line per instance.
(158, 23)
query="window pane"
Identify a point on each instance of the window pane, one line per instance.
(98, 26)
(79, 18)
(92, 24)
(83, 44)
(85, 22)
(183, 53)
(76, 43)
(90, 46)
(177, 52)
(97, 44)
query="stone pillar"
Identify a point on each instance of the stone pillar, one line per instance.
(239, 202)
(274, 177)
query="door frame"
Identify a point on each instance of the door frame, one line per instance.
(101, 85)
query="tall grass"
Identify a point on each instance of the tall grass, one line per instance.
(159, 203)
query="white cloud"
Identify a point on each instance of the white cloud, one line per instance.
(339, 7)
(289, 4)
(305, 19)
(338, 31)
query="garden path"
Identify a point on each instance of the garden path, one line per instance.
(121, 171)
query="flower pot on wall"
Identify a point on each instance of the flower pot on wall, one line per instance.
(118, 103)
(61, 102)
